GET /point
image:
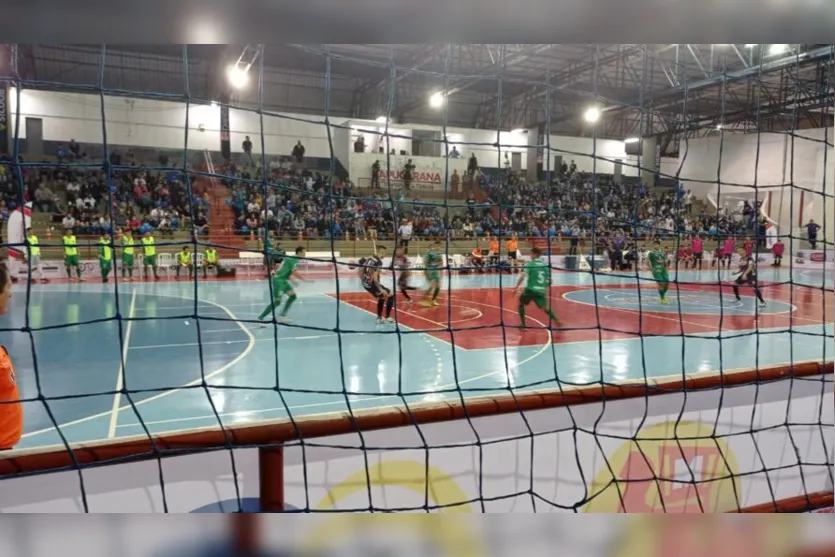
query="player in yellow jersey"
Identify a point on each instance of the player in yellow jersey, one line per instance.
(105, 256)
(127, 254)
(149, 251)
(210, 259)
(184, 262)
(34, 254)
(70, 244)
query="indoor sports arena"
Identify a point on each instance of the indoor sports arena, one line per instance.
(467, 278)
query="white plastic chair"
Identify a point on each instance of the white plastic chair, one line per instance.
(165, 261)
(457, 261)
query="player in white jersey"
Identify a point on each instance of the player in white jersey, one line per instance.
(19, 221)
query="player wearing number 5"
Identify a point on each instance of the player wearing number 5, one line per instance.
(538, 277)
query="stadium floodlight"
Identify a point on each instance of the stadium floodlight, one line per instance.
(213, 104)
(238, 76)
(381, 119)
(436, 100)
(750, 46)
(718, 126)
(592, 115)
(778, 49)
(632, 140)
(518, 131)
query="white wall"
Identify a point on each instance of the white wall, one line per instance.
(583, 150)
(489, 156)
(398, 138)
(668, 168)
(162, 124)
(732, 167)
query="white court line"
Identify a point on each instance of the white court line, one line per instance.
(447, 386)
(120, 378)
(397, 323)
(654, 313)
(303, 300)
(641, 312)
(199, 381)
(271, 339)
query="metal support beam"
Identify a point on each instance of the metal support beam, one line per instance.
(727, 78)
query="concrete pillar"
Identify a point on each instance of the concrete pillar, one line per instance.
(650, 161)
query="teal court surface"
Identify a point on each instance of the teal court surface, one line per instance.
(168, 356)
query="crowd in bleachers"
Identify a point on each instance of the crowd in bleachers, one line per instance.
(85, 199)
(294, 201)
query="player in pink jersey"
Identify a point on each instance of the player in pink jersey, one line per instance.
(728, 251)
(698, 250)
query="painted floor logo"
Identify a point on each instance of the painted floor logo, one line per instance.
(755, 536)
(441, 493)
(673, 468)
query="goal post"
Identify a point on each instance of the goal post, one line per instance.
(285, 451)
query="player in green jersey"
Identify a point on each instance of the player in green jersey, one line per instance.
(127, 253)
(658, 265)
(105, 256)
(432, 264)
(538, 276)
(281, 285)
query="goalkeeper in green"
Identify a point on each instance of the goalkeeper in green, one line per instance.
(658, 265)
(538, 277)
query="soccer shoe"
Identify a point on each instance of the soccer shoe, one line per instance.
(284, 319)
(380, 321)
(435, 303)
(426, 303)
(665, 301)
(388, 320)
(762, 304)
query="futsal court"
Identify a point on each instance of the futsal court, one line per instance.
(192, 361)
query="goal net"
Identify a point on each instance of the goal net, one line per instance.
(421, 278)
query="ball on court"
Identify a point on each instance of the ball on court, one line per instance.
(186, 321)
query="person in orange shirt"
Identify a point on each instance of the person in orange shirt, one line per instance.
(11, 411)
(513, 253)
(493, 243)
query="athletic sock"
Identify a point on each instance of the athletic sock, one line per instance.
(275, 303)
(522, 314)
(389, 305)
(380, 308)
(289, 303)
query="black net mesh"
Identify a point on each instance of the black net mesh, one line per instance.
(441, 224)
